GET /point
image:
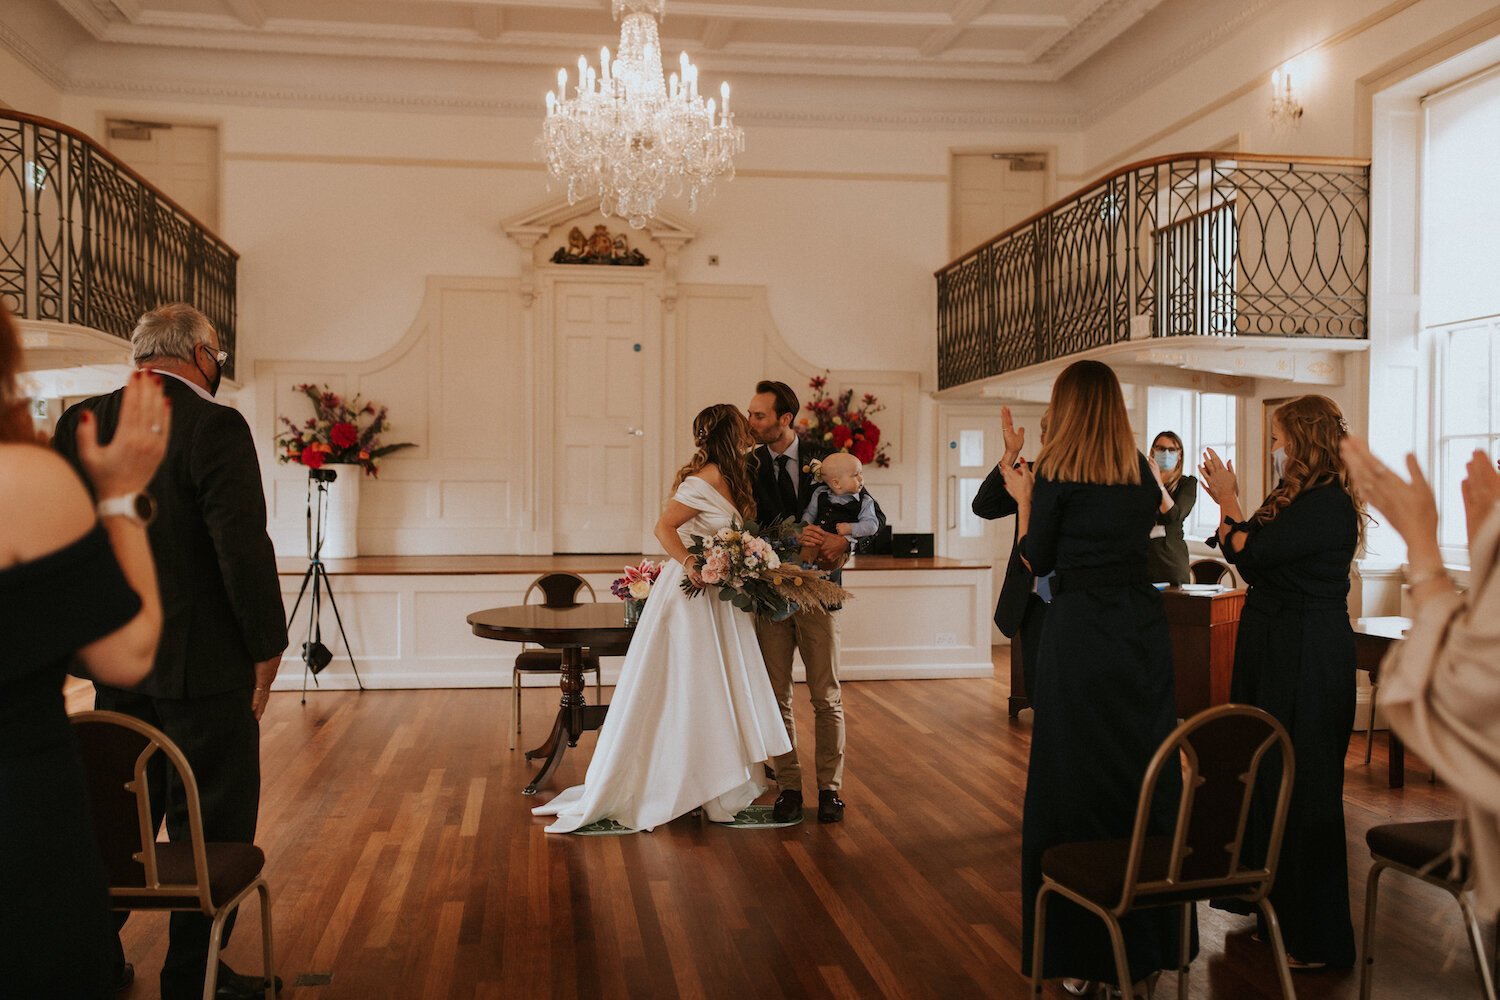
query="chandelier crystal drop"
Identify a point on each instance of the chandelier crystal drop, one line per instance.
(631, 135)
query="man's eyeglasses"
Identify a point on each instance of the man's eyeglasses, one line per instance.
(220, 357)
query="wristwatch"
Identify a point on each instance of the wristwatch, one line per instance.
(137, 507)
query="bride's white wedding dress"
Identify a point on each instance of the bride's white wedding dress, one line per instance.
(693, 715)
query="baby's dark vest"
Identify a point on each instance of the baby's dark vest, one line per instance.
(830, 515)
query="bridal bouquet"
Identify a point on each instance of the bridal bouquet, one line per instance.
(742, 561)
(637, 582)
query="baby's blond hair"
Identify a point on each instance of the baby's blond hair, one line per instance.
(840, 463)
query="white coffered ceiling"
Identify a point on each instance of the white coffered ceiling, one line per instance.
(971, 39)
(1009, 63)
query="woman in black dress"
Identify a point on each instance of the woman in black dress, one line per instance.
(1104, 691)
(70, 586)
(1167, 557)
(1294, 657)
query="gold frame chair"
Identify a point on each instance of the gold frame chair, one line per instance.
(1223, 749)
(149, 876)
(549, 661)
(1430, 842)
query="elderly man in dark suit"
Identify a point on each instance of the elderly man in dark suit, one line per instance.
(1023, 598)
(224, 623)
(783, 485)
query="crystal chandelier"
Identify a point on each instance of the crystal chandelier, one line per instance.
(631, 136)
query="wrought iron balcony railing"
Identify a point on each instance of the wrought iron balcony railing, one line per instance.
(1208, 244)
(86, 240)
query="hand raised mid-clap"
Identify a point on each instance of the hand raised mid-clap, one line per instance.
(1481, 489)
(1218, 478)
(1012, 436)
(1408, 506)
(1019, 480)
(128, 462)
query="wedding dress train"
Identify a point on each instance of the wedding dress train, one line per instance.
(693, 715)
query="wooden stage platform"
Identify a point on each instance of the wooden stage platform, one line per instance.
(908, 619)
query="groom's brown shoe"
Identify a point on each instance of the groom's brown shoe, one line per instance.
(830, 806)
(788, 807)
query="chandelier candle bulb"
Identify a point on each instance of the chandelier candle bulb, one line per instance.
(631, 134)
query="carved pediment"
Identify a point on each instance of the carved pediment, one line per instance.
(543, 230)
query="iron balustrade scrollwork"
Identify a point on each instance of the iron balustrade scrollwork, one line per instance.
(1194, 244)
(86, 240)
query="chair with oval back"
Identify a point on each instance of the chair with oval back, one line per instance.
(557, 590)
(144, 874)
(1229, 756)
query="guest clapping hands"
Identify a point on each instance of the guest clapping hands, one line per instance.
(1440, 688)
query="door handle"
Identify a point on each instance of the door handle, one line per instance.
(952, 502)
(634, 432)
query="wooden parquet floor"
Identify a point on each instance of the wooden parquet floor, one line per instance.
(404, 861)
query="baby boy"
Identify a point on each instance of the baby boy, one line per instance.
(840, 503)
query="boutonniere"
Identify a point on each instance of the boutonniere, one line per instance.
(815, 468)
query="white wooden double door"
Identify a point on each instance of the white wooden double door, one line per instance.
(602, 348)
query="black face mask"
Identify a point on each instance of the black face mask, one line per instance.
(216, 377)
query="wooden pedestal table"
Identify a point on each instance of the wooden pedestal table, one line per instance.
(600, 628)
(1373, 638)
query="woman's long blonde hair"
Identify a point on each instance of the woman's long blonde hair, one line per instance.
(722, 435)
(1088, 433)
(1314, 429)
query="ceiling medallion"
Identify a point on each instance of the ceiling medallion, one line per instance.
(630, 135)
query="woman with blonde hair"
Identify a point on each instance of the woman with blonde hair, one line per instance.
(693, 717)
(1294, 657)
(1104, 697)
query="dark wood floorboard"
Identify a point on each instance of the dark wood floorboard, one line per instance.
(404, 861)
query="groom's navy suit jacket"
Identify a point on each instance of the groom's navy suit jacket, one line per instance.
(769, 506)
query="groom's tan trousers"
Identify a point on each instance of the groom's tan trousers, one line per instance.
(817, 636)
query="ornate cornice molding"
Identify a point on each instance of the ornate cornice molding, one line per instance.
(1160, 70)
(512, 107)
(32, 56)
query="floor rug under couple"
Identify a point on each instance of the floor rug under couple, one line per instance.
(749, 818)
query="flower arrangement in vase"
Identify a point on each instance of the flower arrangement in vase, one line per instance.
(635, 586)
(340, 432)
(835, 423)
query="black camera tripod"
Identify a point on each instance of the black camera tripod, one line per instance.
(315, 655)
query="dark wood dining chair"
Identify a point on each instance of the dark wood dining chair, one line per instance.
(1423, 850)
(1221, 752)
(1211, 571)
(556, 590)
(144, 874)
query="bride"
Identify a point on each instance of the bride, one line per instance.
(693, 715)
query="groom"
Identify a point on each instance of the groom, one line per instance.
(783, 487)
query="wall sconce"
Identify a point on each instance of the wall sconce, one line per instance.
(1286, 110)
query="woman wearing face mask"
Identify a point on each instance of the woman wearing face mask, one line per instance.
(1167, 556)
(1294, 657)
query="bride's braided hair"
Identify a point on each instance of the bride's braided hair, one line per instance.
(723, 438)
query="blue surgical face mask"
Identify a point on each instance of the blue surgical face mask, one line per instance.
(1166, 460)
(1278, 462)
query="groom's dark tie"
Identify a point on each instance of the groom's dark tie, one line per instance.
(786, 486)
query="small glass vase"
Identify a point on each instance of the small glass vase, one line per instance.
(633, 609)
